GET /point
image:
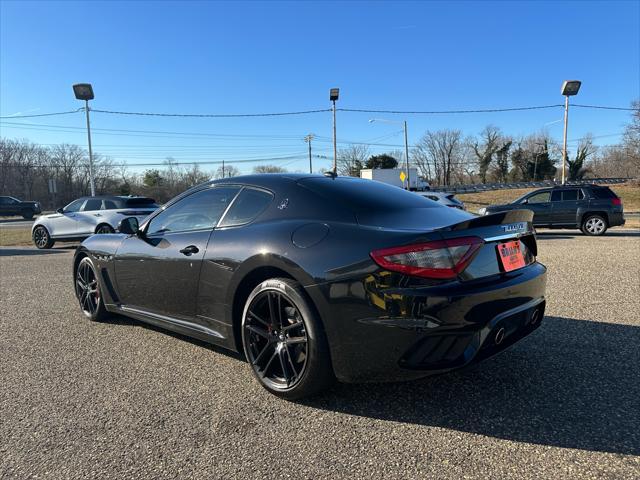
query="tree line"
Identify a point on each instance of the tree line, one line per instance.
(26, 170)
(446, 157)
(442, 157)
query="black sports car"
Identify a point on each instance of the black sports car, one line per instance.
(318, 277)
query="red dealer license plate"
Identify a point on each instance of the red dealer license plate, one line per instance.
(511, 255)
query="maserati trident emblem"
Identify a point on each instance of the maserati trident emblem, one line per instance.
(514, 227)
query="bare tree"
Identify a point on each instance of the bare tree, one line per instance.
(228, 171)
(352, 159)
(437, 154)
(268, 169)
(486, 148)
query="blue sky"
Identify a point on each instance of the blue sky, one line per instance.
(217, 57)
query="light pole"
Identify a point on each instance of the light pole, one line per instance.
(308, 139)
(406, 144)
(569, 88)
(333, 96)
(84, 91)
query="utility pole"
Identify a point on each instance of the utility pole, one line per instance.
(406, 155)
(223, 168)
(564, 138)
(308, 139)
(84, 91)
(91, 180)
(333, 96)
(569, 88)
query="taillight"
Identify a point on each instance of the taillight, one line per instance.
(616, 202)
(438, 259)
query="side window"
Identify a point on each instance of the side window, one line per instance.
(92, 204)
(541, 197)
(74, 206)
(198, 211)
(249, 204)
(556, 196)
(569, 195)
(109, 205)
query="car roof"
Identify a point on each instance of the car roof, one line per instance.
(268, 179)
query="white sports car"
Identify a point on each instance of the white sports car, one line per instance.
(88, 215)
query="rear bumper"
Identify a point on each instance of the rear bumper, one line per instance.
(379, 333)
(616, 219)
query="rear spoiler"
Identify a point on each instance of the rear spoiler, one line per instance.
(511, 218)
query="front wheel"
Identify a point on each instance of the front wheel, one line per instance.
(594, 225)
(41, 238)
(88, 291)
(284, 341)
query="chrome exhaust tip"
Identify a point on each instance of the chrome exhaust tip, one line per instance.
(535, 316)
(499, 336)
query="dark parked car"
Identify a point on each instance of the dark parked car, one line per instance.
(591, 208)
(316, 278)
(10, 206)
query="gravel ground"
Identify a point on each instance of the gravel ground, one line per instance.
(123, 400)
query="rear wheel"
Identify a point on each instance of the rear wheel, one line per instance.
(104, 228)
(284, 341)
(594, 225)
(88, 291)
(27, 215)
(41, 238)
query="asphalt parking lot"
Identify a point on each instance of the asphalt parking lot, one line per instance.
(124, 400)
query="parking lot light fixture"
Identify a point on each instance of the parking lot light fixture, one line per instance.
(569, 89)
(84, 91)
(334, 93)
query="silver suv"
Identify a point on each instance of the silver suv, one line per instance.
(88, 215)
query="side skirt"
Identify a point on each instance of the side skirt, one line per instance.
(183, 327)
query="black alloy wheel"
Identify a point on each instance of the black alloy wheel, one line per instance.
(88, 290)
(41, 238)
(104, 228)
(284, 342)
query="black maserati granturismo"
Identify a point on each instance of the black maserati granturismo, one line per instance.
(316, 278)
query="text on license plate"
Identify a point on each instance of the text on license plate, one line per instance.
(511, 255)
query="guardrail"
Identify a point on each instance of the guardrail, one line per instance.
(484, 187)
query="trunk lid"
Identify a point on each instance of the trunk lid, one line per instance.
(494, 229)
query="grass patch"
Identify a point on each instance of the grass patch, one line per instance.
(630, 195)
(10, 237)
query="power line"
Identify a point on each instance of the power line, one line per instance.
(603, 107)
(322, 110)
(438, 112)
(44, 114)
(213, 115)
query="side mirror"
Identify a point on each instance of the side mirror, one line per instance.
(129, 226)
(526, 200)
(60, 210)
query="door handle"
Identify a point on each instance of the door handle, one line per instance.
(191, 249)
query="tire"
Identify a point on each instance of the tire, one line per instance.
(41, 238)
(87, 288)
(27, 215)
(104, 228)
(284, 341)
(594, 225)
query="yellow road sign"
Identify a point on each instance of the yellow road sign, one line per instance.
(403, 176)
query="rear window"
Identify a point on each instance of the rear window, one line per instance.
(359, 194)
(603, 193)
(141, 202)
(92, 204)
(249, 204)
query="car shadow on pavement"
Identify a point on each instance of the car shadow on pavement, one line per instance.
(571, 384)
(18, 252)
